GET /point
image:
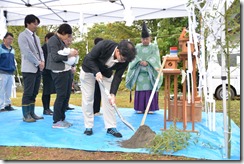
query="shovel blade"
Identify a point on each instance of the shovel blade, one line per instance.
(122, 119)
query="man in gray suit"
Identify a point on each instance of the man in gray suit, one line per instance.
(32, 63)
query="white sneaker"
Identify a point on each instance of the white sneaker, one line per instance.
(60, 125)
(98, 114)
(66, 122)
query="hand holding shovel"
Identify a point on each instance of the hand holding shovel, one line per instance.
(115, 107)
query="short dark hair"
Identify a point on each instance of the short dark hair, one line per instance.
(65, 29)
(49, 35)
(31, 19)
(8, 34)
(127, 50)
(96, 40)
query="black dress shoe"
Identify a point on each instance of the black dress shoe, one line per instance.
(9, 108)
(69, 108)
(88, 131)
(48, 112)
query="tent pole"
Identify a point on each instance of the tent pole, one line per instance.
(223, 77)
(229, 96)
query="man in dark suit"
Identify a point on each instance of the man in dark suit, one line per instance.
(32, 63)
(97, 93)
(48, 86)
(99, 64)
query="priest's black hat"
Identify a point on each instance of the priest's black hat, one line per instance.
(144, 32)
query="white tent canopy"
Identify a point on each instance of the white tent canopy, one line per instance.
(54, 12)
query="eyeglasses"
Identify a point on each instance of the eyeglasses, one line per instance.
(122, 58)
(10, 38)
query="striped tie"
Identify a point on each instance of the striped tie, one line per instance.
(36, 46)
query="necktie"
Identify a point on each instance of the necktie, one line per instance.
(36, 45)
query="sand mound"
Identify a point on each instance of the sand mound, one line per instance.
(142, 137)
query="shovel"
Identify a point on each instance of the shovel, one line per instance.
(153, 92)
(116, 109)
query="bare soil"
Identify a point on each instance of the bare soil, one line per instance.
(141, 139)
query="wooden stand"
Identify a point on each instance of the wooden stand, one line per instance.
(170, 70)
(172, 107)
(183, 56)
(188, 107)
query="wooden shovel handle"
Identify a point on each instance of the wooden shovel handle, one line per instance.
(153, 91)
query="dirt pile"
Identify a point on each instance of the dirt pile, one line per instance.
(141, 139)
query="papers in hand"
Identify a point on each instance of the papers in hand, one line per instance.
(65, 51)
(71, 60)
